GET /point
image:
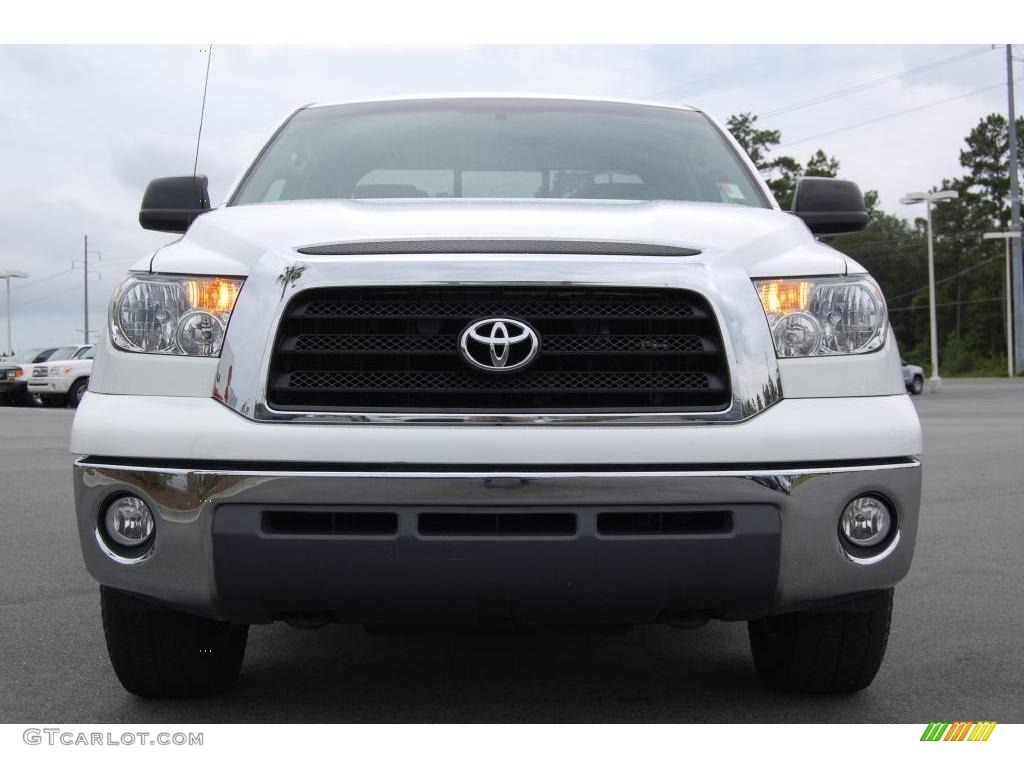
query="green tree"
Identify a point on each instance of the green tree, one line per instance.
(972, 325)
(779, 171)
(984, 158)
(821, 165)
(757, 142)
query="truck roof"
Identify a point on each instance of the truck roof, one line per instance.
(498, 95)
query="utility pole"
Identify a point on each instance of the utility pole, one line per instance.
(1018, 264)
(85, 269)
(1007, 237)
(6, 275)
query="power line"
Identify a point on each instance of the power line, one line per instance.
(34, 299)
(872, 83)
(946, 279)
(948, 304)
(940, 238)
(893, 114)
(727, 72)
(42, 279)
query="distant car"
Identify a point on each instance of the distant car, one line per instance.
(63, 381)
(913, 377)
(14, 374)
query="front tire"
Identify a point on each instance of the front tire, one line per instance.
(917, 385)
(835, 649)
(77, 392)
(158, 652)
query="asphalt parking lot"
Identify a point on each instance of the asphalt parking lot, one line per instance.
(955, 652)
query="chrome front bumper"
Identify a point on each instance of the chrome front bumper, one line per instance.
(212, 557)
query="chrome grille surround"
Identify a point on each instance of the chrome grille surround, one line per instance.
(242, 376)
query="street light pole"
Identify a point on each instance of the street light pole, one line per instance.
(1012, 166)
(935, 382)
(933, 322)
(1007, 237)
(7, 275)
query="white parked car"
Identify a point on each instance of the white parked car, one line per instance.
(15, 372)
(64, 379)
(514, 359)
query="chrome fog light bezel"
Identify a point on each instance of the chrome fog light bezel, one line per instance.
(113, 542)
(875, 549)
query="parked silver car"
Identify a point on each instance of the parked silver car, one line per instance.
(913, 377)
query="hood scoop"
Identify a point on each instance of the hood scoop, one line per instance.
(480, 246)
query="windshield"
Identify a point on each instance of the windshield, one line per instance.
(25, 356)
(62, 353)
(499, 148)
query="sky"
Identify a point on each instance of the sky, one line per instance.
(83, 129)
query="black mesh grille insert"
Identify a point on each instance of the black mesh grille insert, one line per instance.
(366, 349)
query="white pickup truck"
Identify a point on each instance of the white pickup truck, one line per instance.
(508, 360)
(63, 380)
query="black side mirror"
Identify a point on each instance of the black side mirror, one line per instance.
(830, 206)
(173, 203)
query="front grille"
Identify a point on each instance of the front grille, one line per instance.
(388, 349)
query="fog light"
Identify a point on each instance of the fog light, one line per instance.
(128, 521)
(866, 521)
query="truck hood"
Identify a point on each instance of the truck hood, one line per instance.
(231, 240)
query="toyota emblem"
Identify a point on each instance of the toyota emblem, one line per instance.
(499, 344)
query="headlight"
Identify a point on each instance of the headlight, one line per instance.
(166, 315)
(810, 317)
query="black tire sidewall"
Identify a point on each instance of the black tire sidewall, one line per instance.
(157, 652)
(78, 390)
(835, 649)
